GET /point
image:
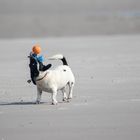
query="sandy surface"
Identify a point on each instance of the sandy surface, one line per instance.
(106, 103)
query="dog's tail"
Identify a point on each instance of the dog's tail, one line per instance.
(59, 57)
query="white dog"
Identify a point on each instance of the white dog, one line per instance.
(53, 80)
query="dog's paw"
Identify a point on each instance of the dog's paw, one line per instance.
(65, 99)
(37, 102)
(54, 103)
(70, 97)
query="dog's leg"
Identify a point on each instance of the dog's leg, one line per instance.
(39, 93)
(54, 93)
(64, 94)
(71, 85)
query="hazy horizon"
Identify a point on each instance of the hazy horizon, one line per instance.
(45, 18)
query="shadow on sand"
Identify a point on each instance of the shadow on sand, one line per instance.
(19, 103)
(28, 103)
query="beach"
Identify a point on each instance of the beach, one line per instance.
(106, 97)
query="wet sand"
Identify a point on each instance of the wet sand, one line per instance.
(106, 98)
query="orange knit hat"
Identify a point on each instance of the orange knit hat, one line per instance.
(36, 49)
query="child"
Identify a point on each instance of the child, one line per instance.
(34, 59)
(36, 50)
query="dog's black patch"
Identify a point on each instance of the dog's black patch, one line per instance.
(33, 69)
(64, 61)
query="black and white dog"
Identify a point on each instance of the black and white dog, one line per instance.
(52, 80)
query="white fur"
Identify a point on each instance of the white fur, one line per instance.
(55, 80)
(56, 57)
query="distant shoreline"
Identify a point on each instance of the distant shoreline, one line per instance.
(59, 18)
